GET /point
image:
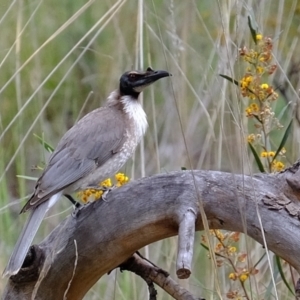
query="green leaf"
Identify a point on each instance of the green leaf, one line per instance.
(279, 266)
(216, 253)
(283, 111)
(230, 79)
(183, 168)
(259, 260)
(204, 246)
(257, 159)
(257, 119)
(283, 141)
(27, 177)
(45, 144)
(252, 30)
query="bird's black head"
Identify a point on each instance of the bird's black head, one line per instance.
(132, 83)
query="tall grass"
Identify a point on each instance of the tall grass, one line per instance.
(55, 53)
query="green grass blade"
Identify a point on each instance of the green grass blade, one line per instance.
(27, 177)
(204, 246)
(279, 266)
(230, 79)
(259, 260)
(252, 30)
(47, 146)
(284, 138)
(257, 159)
(216, 253)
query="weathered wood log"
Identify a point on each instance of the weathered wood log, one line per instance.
(106, 233)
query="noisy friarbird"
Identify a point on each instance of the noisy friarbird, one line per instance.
(95, 148)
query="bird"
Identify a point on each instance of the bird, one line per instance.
(95, 148)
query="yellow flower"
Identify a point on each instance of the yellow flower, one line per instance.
(219, 235)
(243, 277)
(278, 166)
(259, 37)
(106, 183)
(121, 179)
(264, 154)
(264, 86)
(245, 81)
(98, 194)
(252, 96)
(260, 70)
(232, 249)
(248, 111)
(232, 276)
(251, 138)
(271, 153)
(254, 107)
(89, 195)
(282, 151)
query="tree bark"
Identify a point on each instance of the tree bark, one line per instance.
(106, 233)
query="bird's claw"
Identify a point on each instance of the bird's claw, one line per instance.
(78, 208)
(103, 189)
(106, 190)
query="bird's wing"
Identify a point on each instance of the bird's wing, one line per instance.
(83, 148)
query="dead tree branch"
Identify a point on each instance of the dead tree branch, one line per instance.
(105, 234)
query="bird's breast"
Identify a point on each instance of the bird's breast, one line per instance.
(135, 116)
(135, 127)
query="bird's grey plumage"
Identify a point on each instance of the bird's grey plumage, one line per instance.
(92, 150)
(26, 237)
(81, 151)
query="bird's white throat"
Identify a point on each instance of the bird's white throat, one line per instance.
(135, 112)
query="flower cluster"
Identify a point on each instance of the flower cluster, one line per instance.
(121, 179)
(224, 246)
(267, 154)
(236, 295)
(252, 110)
(242, 274)
(228, 255)
(93, 194)
(259, 63)
(277, 166)
(261, 96)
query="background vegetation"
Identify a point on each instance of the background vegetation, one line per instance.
(61, 59)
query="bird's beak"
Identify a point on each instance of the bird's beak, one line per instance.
(149, 77)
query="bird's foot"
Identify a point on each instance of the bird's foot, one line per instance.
(77, 206)
(78, 209)
(106, 191)
(73, 201)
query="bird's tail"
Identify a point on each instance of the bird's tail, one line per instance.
(26, 237)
